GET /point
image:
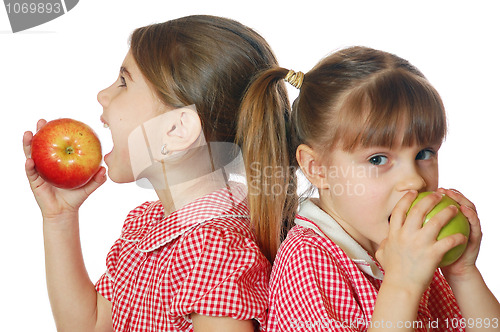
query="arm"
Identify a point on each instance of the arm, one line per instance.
(410, 256)
(477, 303)
(203, 323)
(389, 308)
(75, 303)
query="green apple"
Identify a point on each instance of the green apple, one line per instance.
(459, 224)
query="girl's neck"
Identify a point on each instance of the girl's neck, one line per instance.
(194, 173)
(174, 197)
(326, 206)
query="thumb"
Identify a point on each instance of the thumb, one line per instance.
(98, 179)
(379, 254)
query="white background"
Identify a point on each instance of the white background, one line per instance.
(56, 69)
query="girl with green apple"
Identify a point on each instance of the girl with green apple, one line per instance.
(365, 130)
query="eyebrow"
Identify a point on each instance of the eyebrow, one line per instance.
(124, 71)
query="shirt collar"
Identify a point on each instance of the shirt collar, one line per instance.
(324, 225)
(156, 231)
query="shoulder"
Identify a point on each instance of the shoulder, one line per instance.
(224, 244)
(146, 208)
(225, 224)
(231, 234)
(306, 255)
(304, 242)
(222, 249)
(141, 216)
(143, 208)
(238, 225)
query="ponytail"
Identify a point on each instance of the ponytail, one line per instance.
(264, 134)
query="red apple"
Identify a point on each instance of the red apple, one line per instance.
(67, 153)
(459, 224)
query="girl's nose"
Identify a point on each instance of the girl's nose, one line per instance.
(103, 97)
(411, 180)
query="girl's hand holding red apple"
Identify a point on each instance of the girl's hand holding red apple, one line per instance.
(67, 153)
(55, 201)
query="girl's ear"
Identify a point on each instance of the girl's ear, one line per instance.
(311, 166)
(183, 129)
(175, 130)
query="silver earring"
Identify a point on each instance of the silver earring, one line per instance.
(164, 150)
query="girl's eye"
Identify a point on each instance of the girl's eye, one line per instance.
(124, 83)
(378, 160)
(425, 154)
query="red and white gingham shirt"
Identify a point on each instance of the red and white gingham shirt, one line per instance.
(202, 258)
(316, 286)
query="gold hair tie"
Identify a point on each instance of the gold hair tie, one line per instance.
(295, 78)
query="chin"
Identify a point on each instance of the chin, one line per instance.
(119, 174)
(119, 177)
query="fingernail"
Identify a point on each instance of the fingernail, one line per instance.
(438, 194)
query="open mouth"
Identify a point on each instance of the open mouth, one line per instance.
(104, 123)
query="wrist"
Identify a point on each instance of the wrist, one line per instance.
(61, 220)
(464, 275)
(388, 306)
(403, 288)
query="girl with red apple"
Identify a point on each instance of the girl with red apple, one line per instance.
(188, 261)
(365, 130)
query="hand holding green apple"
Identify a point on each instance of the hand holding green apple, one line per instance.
(459, 224)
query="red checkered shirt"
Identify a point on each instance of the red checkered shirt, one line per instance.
(201, 258)
(316, 286)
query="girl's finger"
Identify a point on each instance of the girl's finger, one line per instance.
(98, 179)
(27, 138)
(398, 215)
(438, 221)
(40, 124)
(416, 215)
(33, 177)
(475, 225)
(442, 246)
(458, 197)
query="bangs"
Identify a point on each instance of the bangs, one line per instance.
(394, 108)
